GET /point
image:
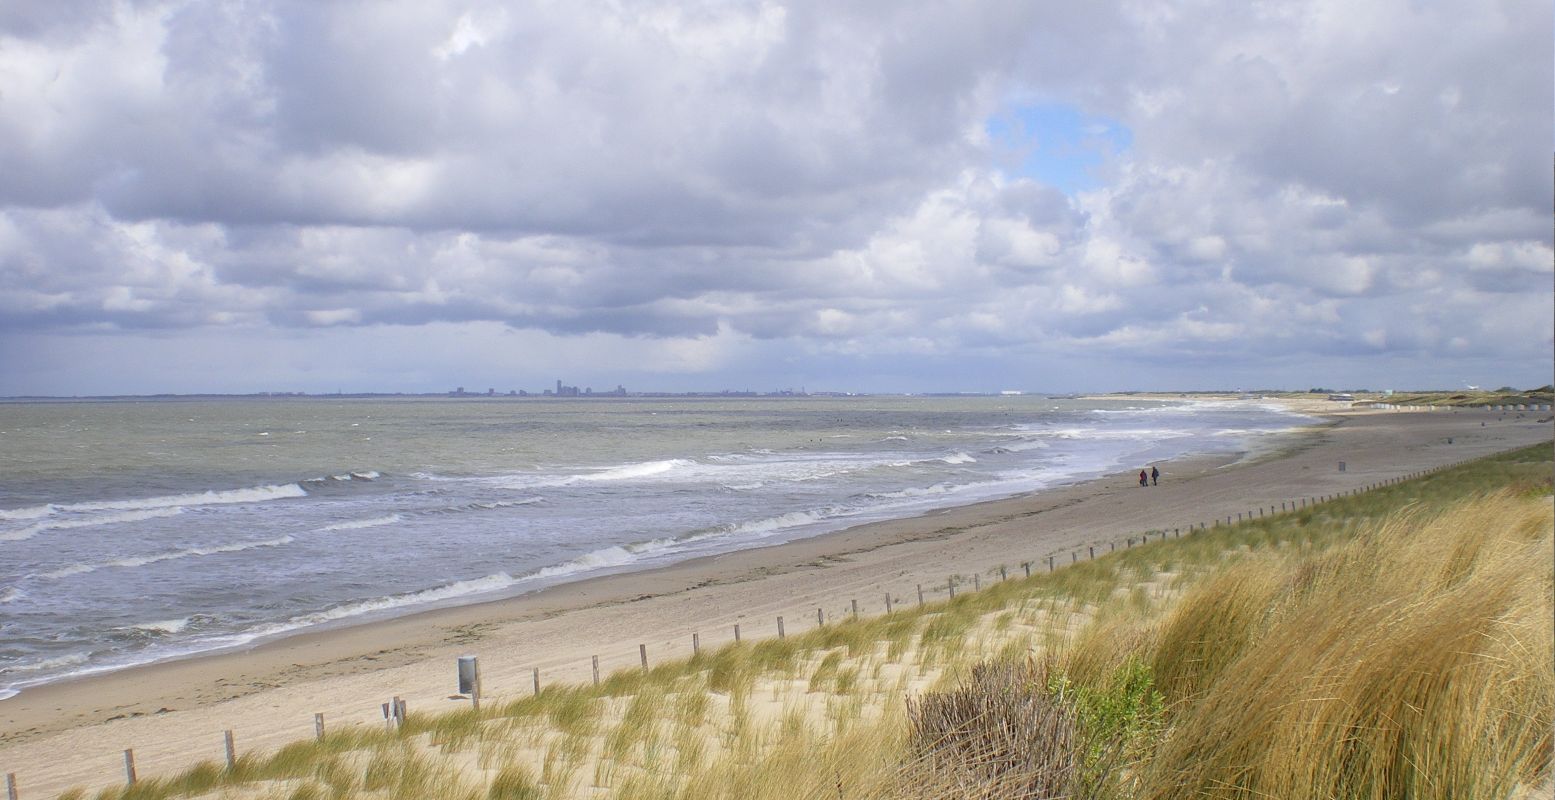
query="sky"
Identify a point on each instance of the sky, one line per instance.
(261, 195)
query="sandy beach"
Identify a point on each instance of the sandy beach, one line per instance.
(173, 714)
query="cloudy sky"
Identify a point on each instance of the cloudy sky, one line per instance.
(261, 195)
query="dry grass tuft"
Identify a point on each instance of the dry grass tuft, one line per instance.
(999, 735)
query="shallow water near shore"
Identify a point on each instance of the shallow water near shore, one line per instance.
(138, 531)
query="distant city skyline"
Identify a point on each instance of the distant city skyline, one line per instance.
(232, 197)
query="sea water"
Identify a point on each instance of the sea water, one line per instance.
(137, 531)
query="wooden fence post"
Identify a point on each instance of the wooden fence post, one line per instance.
(537, 680)
(596, 669)
(1026, 565)
(232, 750)
(696, 644)
(642, 652)
(1092, 549)
(780, 628)
(1003, 576)
(950, 583)
(820, 617)
(977, 582)
(318, 726)
(10, 786)
(129, 766)
(1049, 563)
(736, 633)
(887, 602)
(855, 608)
(920, 595)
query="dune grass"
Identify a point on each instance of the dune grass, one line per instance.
(1390, 643)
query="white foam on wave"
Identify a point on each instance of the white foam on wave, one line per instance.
(450, 591)
(89, 522)
(644, 469)
(252, 494)
(769, 525)
(166, 626)
(364, 475)
(33, 512)
(617, 556)
(58, 662)
(913, 492)
(141, 561)
(9, 594)
(358, 524)
(958, 458)
(485, 505)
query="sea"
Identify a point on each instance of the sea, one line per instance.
(139, 531)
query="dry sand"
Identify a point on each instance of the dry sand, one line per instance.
(173, 714)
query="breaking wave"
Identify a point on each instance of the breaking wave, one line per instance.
(88, 522)
(141, 561)
(358, 524)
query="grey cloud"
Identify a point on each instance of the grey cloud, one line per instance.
(807, 176)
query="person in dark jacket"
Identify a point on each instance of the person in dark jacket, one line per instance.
(1155, 476)
(1144, 480)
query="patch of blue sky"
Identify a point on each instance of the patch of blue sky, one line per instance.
(1056, 144)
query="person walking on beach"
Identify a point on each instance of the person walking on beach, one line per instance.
(1143, 479)
(1155, 476)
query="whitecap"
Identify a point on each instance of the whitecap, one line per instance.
(626, 472)
(166, 626)
(358, 524)
(89, 522)
(32, 512)
(141, 561)
(68, 660)
(252, 494)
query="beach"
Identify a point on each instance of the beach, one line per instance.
(174, 713)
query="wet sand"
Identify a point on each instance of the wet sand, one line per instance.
(173, 713)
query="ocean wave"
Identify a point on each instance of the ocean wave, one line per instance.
(141, 561)
(358, 524)
(365, 475)
(1097, 434)
(9, 594)
(791, 519)
(32, 512)
(449, 591)
(57, 662)
(913, 492)
(488, 505)
(166, 626)
(627, 472)
(88, 522)
(958, 458)
(252, 494)
(598, 559)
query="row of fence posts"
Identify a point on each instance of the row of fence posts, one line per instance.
(395, 711)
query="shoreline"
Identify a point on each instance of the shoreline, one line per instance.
(173, 711)
(1258, 445)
